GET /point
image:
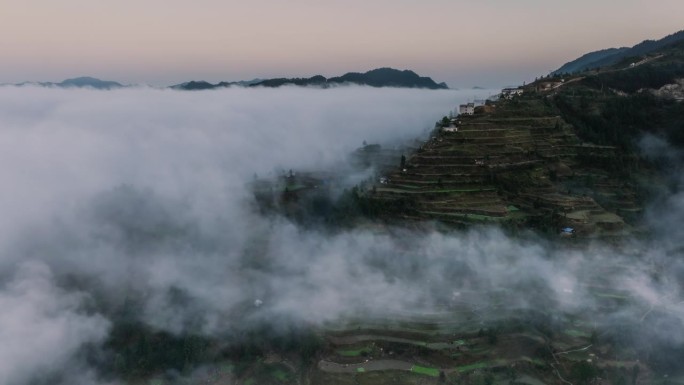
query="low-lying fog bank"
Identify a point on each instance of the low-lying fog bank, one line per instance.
(133, 204)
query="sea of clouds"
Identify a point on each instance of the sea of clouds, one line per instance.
(136, 195)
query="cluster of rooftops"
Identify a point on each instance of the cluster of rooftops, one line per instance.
(506, 93)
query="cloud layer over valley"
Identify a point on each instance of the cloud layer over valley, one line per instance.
(135, 201)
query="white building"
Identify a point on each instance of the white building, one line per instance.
(453, 125)
(466, 109)
(509, 93)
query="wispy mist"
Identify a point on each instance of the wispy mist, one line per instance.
(136, 201)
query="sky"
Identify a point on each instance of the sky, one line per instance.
(464, 43)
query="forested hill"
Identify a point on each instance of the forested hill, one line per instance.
(586, 60)
(381, 77)
(617, 105)
(611, 56)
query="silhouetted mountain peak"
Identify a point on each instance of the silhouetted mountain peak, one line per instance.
(195, 85)
(379, 77)
(87, 81)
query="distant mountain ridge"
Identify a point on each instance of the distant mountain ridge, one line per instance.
(204, 85)
(87, 81)
(388, 77)
(380, 77)
(80, 82)
(612, 56)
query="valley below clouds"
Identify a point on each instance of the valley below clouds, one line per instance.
(135, 204)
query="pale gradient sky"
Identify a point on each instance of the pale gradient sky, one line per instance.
(464, 43)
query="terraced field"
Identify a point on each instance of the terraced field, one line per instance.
(513, 165)
(517, 165)
(513, 350)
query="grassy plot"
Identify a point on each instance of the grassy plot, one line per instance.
(471, 367)
(426, 371)
(320, 377)
(442, 191)
(457, 190)
(387, 378)
(281, 375)
(477, 217)
(353, 352)
(226, 367)
(409, 186)
(577, 356)
(611, 296)
(270, 374)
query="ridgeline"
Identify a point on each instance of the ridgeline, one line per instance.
(560, 155)
(381, 77)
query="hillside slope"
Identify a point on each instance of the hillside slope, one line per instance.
(613, 56)
(564, 154)
(586, 60)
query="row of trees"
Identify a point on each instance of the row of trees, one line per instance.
(637, 78)
(620, 121)
(138, 351)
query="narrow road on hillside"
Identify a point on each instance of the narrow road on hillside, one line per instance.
(633, 65)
